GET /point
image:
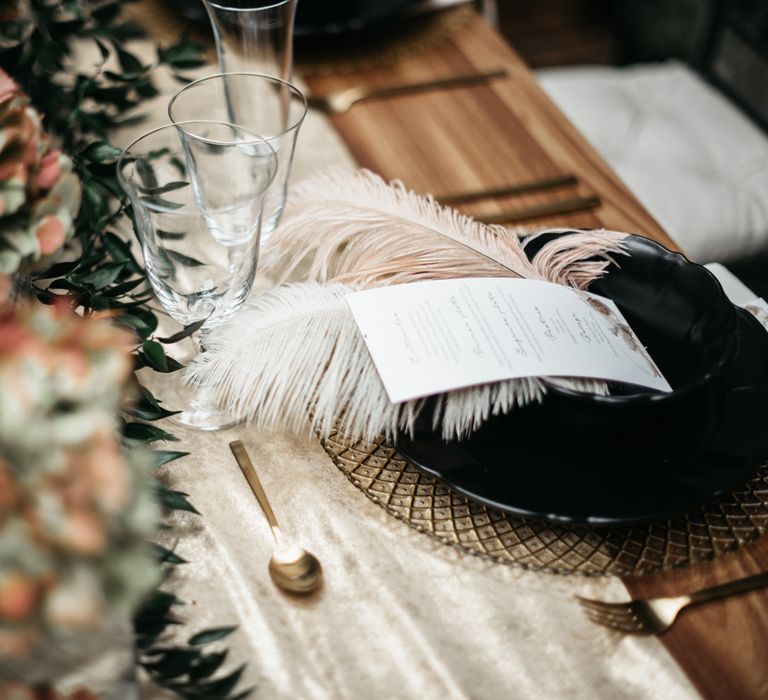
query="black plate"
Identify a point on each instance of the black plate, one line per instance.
(533, 462)
(344, 16)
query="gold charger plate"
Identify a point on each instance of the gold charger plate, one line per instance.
(429, 506)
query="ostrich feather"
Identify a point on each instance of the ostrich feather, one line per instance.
(296, 360)
(293, 357)
(576, 260)
(354, 228)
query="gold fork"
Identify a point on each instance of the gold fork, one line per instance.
(340, 101)
(656, 615)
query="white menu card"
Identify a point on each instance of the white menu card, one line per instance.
(430, 337)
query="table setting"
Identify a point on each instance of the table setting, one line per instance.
(429, 404)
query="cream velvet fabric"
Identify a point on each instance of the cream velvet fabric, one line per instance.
(400, 616)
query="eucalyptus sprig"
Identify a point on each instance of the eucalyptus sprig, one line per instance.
(100, 271)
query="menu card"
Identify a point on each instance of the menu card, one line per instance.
(430, 337)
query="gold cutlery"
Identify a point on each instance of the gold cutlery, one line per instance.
(508, 190)
(561, 206)
(656, 615)
(292, 568)
(340, 101)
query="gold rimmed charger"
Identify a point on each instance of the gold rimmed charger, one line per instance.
(429, 506)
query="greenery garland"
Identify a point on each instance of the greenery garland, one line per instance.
(102, 272)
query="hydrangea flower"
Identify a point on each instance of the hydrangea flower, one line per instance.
(75, 510)
(39, 193)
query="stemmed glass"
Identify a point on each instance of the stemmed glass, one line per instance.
(253, 35)
(267, 106)
(197, 191)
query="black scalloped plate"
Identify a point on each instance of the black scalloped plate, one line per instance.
(584, 459)
(344, 16)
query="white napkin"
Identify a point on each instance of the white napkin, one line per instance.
(739, 293)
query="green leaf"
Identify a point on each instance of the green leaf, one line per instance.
(170, 187)
(170, 235)
(221, 687)
(148, 396)
(143, 320)
(100, 151)
(156, 606)
(145, 88)
(119, 250)
(57, 270)
(102, 48)
(183, 333)
(183, 54)
(105, 11)
(211, 635)
(207, 665)
(128, 62)
(160, 457)
(138, 433)
(153, 630)
(101, 277)
(65, 284)
(155, 355)
(170, 364)
(175, 500)
(147, 407)
(182, 259)
(121, 289)
(144, 411)
(173, 663)
(241, 696)
(95, 201)
(167, 556)
(129, 121)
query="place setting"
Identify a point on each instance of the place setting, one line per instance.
(388, 412)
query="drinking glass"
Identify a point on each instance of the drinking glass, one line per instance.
(253, 35)
(197, 191)
(267, 106)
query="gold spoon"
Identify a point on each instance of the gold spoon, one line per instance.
(292, 568)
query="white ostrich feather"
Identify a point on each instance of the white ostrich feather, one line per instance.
(296, 360)
(293, 357)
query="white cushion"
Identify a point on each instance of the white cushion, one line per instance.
(690, 156)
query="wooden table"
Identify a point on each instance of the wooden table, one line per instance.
(509, 131)
(501, 133)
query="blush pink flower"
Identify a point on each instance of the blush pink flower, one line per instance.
(51, 234)
(18, 597)
(6, 285)
(39, 195)
(108, 476)
(49, 171)
(82, 532)
(8, 87)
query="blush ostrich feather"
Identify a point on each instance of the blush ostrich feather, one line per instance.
(354, 228)
(293, 357)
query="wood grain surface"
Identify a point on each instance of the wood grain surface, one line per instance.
(722, 645)
(509, 131)
(500, 133)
